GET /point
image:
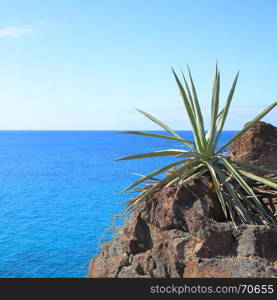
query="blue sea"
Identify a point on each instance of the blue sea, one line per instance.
(59, 191)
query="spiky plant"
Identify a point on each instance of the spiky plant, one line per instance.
(202, 157)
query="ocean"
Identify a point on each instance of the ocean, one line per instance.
(59, 191)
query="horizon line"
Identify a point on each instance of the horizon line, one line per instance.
(119, 130)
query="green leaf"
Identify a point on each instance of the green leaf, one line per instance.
(188, 92)
(226, 110)
(197, 110)
(161, 124)
(254, 167)
(192, 154)
(142, 176)
(219, 116)
(195, 176)
(217, 186)
(158, 186)
(214, 111)
(158, 136)
(248, 126)
(189, 172)
(244, 185)
(171, 152)
(238, 206)
(151, 174)
(190, 113)
(258, 178)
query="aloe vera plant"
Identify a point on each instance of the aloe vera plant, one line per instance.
(202, 157)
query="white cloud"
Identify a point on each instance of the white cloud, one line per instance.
(15, 31)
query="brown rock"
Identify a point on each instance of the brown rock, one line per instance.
(186, 235)
(230, 267)
(257, 146)
(271, 204)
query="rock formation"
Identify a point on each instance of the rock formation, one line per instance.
(257, 146)
(185, 234)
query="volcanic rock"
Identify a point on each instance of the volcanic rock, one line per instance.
(185, 234)
(257, 146)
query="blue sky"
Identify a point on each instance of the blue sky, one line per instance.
(86, 64)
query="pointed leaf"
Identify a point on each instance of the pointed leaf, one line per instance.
(245, 186)
(195, 176)
(161, 124)
(161, 184)
(217, 187)
(238, 206)
(190, 113)
(214, 111)
(190, 172)
(158, 136)
(197, 109)
(170, 152)
(258, 178)
(248, 126)
(254, 167)
(226, 110)
(151, 174)
(188, 92)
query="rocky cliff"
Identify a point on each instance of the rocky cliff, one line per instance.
(185, 234)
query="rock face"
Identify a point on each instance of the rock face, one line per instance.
(257, 146)
(185, 235)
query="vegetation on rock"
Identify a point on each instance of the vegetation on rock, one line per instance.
(203, 157)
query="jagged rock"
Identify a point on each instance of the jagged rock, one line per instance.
(271, 204)
(257, 146)
(186, 235)
(230, 267)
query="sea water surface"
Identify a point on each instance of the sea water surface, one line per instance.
(59, 191)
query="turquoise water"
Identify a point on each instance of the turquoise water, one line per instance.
(59, 191)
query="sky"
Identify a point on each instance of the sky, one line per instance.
(85, 65)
